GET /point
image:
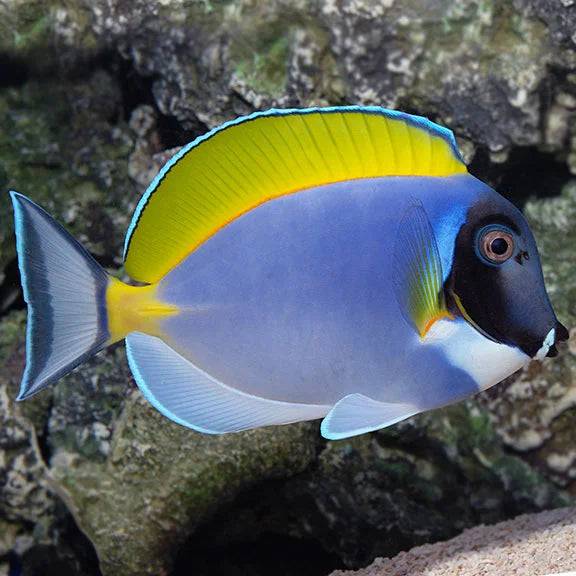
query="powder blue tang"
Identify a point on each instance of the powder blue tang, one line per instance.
(292, 265)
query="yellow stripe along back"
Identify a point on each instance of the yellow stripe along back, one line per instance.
(244, 163)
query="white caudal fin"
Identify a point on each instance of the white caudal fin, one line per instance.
(65, 289)
(356, 414)
(192, 398)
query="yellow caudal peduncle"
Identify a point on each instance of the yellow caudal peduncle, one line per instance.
(135, 309)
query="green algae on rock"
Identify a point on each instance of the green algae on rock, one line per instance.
(85, 184)
(161, 481)
(100, 88)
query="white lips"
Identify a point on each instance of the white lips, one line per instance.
(548, 341)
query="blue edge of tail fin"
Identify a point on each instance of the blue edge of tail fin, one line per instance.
(47, 308)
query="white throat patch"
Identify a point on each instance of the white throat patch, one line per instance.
(487, 362)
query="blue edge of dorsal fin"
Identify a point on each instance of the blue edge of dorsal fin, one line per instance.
(417, 121)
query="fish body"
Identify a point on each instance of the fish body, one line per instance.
(305, 281)
(337, 264)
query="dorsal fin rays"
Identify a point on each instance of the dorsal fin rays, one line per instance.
(253, 159)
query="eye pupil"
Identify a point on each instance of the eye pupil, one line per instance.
(496, 245)
(499, 246)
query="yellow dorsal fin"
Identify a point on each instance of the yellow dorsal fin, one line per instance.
(246, 162)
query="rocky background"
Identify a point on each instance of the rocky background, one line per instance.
(93, 93)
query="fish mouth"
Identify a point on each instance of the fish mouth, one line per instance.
(548, 349)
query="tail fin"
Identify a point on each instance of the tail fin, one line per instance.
(65, 289)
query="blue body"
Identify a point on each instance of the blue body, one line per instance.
(294, 300)
(362, 302)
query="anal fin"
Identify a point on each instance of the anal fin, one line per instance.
(191, 397)
(357, 414)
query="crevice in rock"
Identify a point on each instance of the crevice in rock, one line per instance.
(251, 534)
(138, 90)
(281, 555)
(42, 435)
(13, 71)
(11, 297)
(527, 173)
(71, 554)
(172, 134)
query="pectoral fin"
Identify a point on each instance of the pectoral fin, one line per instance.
(418, 271)
(356, 414)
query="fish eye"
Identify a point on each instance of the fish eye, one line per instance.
(496, 245)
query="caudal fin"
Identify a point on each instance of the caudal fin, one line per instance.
(65, 289)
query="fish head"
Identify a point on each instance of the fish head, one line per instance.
(496, 281)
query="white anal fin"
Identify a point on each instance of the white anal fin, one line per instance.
(356, 414)
(192, 398)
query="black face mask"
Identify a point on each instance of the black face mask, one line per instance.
(496, 281)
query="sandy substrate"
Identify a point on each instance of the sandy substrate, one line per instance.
(529, 545)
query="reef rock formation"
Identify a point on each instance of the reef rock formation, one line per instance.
(94, 94)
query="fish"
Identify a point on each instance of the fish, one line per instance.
(299, 264)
